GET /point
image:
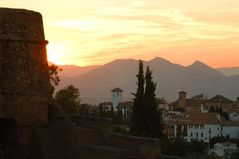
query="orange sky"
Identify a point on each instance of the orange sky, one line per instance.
(88, 32)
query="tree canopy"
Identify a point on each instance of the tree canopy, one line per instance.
(53, 75)
(69, 99)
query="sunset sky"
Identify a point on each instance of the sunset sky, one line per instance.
(89, 32)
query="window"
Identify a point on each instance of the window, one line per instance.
(210, 130)
(191, 134)
(201, 134)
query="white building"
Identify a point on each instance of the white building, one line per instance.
(126, 108)
(223, 148)
(116, 97)
(234, 116)
(204, 126)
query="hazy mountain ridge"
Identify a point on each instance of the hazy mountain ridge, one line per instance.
(73, 70)
(171, 78)
(229, 71)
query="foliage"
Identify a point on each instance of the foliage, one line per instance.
(198, 146)
(69, 99)
(176, 147)
(160, 101)
(180, 147)
(217, 139)
(87, 109)
(53, 74)
(118, 116)
(234, 155)
(104, 112)
(138, 111)
(153, 116)
(146, 119)
(201, 156)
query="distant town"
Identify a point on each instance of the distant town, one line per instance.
(144, 110)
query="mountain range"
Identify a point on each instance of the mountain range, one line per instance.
(229, 71)
(95, 83)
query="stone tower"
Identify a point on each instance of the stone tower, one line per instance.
(182, 98)
(25, 90)
(116, 97)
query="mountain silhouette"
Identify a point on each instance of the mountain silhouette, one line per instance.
(95, 85)
(229, 71)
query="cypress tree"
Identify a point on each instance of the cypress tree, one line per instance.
(152, 116)
(137, 118)
(145, 118)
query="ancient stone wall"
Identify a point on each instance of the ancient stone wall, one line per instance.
(25, 90)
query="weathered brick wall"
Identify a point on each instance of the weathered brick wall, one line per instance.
(25, 90)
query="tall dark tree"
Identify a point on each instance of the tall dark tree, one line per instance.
(153, 115)
(137, 118)
(146, 118)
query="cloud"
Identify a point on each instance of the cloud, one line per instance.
(116, 29)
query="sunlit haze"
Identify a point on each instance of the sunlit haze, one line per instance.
(90, 32)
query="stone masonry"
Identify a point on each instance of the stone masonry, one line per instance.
(24, 82)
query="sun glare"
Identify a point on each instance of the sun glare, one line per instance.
(55, 54)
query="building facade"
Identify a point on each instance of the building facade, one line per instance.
(202, 126)
(117, 97)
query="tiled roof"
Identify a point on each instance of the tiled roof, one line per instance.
(230, 123)
(189, 103)
(196, 118)
(219, 99)
(200, 96)
(127, 104)
(201, 118)
(116, 90)
(106, 104)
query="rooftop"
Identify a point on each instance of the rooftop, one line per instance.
(219, 99)
(116, 90)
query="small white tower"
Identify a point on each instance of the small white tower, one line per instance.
(116, 97)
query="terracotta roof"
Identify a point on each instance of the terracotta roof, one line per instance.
(201, 118)
(205, 117)
(196, 118)
(116, 90)
(105, 104)
(200, 96)
(230, 123)
(127, 104)
(219, 99)
(189, 103)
